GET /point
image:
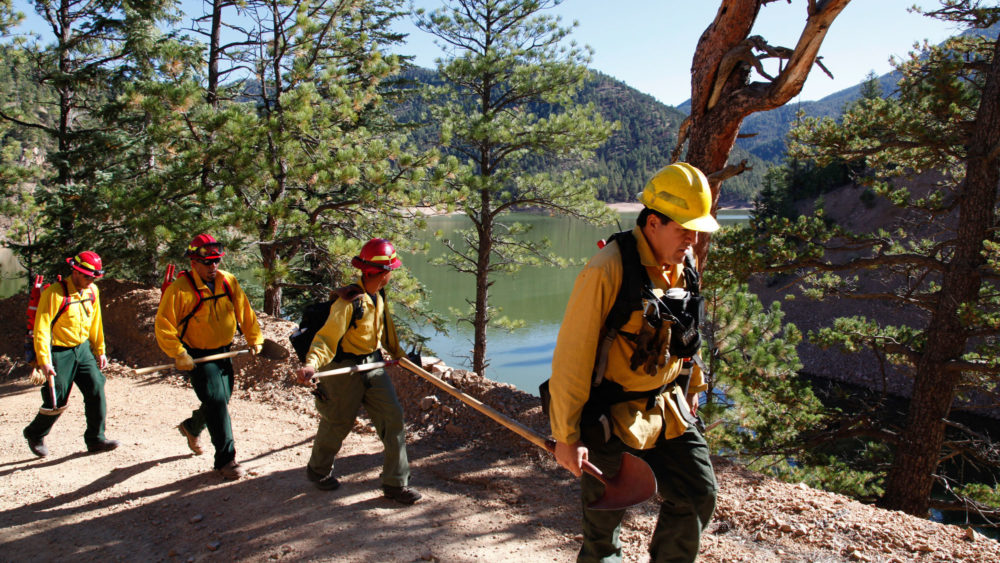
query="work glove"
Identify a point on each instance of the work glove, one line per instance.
(415, 358)
(255, 349)
(414, 355)
(37, 376)
(102, 361)
(184, 362)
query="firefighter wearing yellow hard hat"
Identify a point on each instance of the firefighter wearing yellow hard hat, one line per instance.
(626, 374)
(69, 349)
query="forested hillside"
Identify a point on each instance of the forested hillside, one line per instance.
(641, 146)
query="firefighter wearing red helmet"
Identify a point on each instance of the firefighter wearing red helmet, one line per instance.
(359, 324)
(198, 316)
(69, 347)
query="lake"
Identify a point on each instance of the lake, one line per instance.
(537, 295)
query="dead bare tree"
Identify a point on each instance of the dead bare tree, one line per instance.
(722, 93)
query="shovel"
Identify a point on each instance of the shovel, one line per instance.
(634, 483)
(270, 350)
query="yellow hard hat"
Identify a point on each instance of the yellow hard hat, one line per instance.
(680, 191)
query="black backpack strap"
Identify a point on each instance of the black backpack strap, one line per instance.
(609, 393)
(629, 298)
(634, 279)
(692, 279)
(194, 287)
(352, 292)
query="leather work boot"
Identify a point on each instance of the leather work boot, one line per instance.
(194, 441)
(323, 483)
(231, 471)
(102, 446)
(402, 495)
(36, 445)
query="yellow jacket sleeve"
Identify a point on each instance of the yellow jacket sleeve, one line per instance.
(167, 320)
(389, 338)
(48, 305)
(325, 343)
(97, 325)
(576, 346)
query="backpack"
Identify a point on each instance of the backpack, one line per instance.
(314, 316)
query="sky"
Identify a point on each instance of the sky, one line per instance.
(649, 44)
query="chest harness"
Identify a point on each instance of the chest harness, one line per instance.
(656, 341)
(227, 292)
(66, 302)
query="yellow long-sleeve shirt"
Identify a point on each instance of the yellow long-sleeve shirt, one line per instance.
(214, 324)
(576, 350)
(79, 323)
(368, 332)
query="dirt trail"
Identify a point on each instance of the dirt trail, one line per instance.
(152, 500)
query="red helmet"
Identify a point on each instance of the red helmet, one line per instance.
(205, 246)
(377, 256)
(87, 263)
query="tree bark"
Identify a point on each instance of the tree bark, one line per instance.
(482, 314)
(911, 478)
(721, 94)
(272, 291)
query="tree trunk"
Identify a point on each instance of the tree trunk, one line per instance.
(66, 95)
(482, 314)
(721, 94)
(272, 289)
(911, 478)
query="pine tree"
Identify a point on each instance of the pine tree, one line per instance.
(97, 50)
(302, 156)
(508, 94)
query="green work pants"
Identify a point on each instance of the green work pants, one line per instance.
(687, 490)
(74, 365)
(344, 395)
(213, 384)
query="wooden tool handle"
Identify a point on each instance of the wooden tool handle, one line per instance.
(219, 356)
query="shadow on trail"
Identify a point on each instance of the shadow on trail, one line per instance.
(282, 515)
(26, 463)
(65, 504)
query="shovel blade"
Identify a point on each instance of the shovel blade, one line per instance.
(272, 350)
(633, 484)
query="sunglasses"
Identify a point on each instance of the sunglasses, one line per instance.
(208, 261)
